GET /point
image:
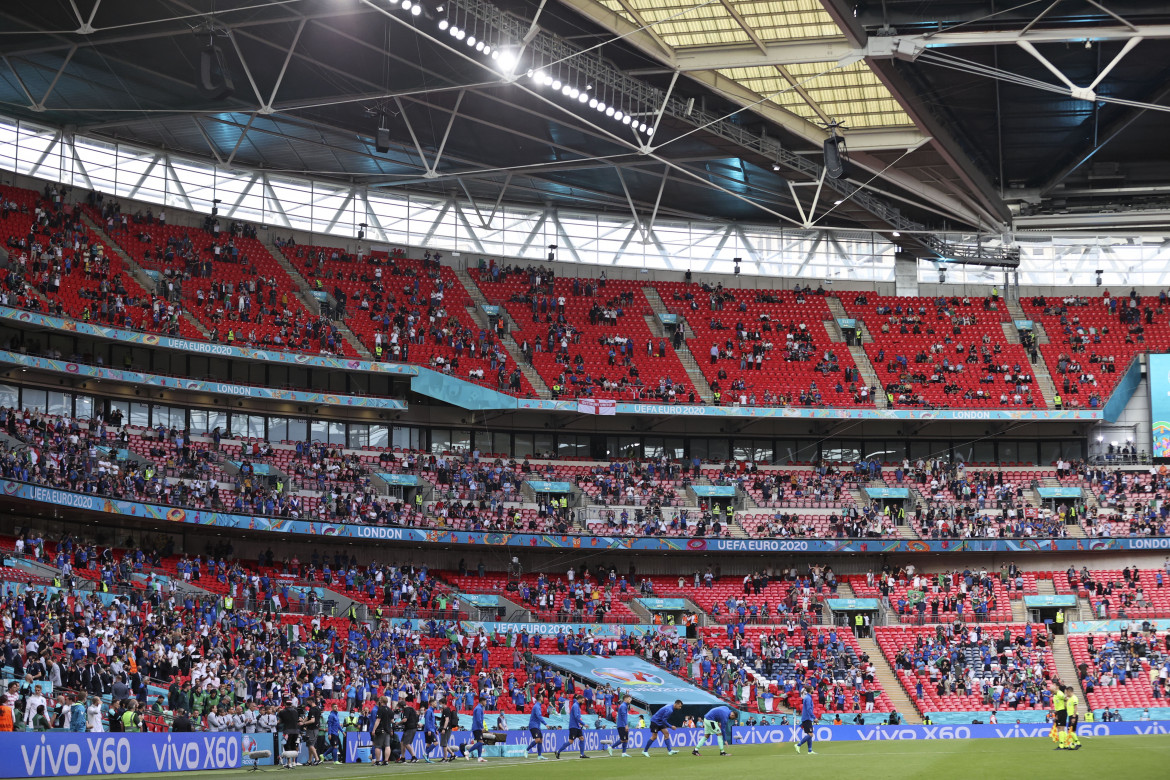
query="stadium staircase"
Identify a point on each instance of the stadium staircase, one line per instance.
(145, 280)
(860, 359)
(885, 675)
(689, 364)
(1066, 668)
(140, 275)
(836, 335)
(1039, 369)
(1019, 611)
(906, 531)
(480, 318)
(309, 300)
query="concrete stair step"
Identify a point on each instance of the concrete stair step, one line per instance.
(689, 364)
(869, 375)
(480, 317)
(1010, 333)
(1066, 669)
(885, 675)
(138, 272)
(834, 331)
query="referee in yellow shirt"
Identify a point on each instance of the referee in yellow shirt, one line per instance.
(1069, 738)
(1059, 712)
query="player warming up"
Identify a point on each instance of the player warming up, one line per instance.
(808, 717)
(535, 723)
(576, 728)
(623, 726)
(476, 734)
(660, 724)
(715, 724)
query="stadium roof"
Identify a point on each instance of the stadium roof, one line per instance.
(956, 114)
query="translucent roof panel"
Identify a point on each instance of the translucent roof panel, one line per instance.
(852, 93)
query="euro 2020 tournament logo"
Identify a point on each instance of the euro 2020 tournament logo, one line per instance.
(629, 676)
(247, 744)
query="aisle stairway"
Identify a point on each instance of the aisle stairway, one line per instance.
(145, 280)
(1040, 368)
(690, 365)
(869, 376)
(306, 295)
(478, 315)
(889, 682)
(1066, 669)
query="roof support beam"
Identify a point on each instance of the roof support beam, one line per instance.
(838, 49)
(267, 107)
(1114, 129)
(1048, 35)
(32, 103)
(56, 78)
(487, 223)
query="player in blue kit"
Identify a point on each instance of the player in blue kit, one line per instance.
(660, 724)
(716, 724)
(535, 723)
(623, 726)
(808, 717)
(476, 734)
(430, 732)
(576, 727)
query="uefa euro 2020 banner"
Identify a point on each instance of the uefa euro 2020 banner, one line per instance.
(69, 754)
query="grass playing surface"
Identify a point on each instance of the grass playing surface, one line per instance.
(1111, 758)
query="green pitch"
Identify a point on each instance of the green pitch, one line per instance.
(1131, 758)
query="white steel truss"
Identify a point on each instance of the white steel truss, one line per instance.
(525, 232)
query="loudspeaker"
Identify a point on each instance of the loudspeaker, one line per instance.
(382, 143)
(215, 80)
(836, 166)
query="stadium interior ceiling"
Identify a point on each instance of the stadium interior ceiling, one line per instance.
(984, 118)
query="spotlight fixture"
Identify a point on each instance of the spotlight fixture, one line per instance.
(416, 11)
(407, 5)
(618, 115)
(593, 102)
(556, 84)
(507, 59)
(471, 40)
(609, 111)
(582, 97)
(444, 24)
(601, 107)
(479, 46)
